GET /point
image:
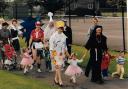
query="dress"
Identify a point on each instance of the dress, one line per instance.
(15, 39)
(26, 60)
(73, 68)
(59, 60)
(58, 42)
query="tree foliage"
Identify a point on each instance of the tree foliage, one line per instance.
(117, 3)
(3, 5)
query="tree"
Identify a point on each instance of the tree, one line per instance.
(53, 5)
(116, 4)
(3, 6)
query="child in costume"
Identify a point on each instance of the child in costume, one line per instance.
(47, 59)
(73, 69)
(105, 64)
(120, 65)
(26, 60)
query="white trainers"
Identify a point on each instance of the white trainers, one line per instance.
(31, 67)
(39, 70)
(121, 78)
(25, 71)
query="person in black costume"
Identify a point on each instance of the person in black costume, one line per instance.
(97, 44)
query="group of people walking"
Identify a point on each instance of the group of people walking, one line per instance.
(53, 44)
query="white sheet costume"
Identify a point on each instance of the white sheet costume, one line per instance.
(48, 32)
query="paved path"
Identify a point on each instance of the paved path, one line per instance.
(82, 81)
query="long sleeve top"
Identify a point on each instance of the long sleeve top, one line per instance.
(74, 62)
(58, 42)
(48, 32)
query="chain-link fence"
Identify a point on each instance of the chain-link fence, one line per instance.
(79, 8)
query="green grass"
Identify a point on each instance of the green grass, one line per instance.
(118, 14)
(9, 80)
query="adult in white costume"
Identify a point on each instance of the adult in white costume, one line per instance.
(58, 45)
(50, 28)
(48, 32)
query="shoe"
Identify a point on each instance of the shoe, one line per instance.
(100, 82)
(50, 71)
(31, 67)
(93, 80)
(61, 85)
(112, 75)
(56, 82)
(121, 78)
(39, 71)
(70, 80)
(25, 71)
(86, 74)
(106, 78)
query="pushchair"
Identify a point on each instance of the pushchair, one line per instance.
(10, 57)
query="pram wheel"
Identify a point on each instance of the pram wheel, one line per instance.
(10, 64)
(8, 68)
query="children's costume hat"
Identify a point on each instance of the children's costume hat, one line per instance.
(59, 24)
(38, 23)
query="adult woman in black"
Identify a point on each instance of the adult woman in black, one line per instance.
(97, 44)
(15, 29)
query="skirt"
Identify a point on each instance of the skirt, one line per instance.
(26, 61)
(73, 70)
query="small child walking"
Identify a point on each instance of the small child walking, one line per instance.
(73, 69)
(120, 66)
(46, 55)
(105, 64)
(27, 61)
(47, 59)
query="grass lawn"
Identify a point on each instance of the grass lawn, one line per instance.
(9, 80)
(119, 14)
